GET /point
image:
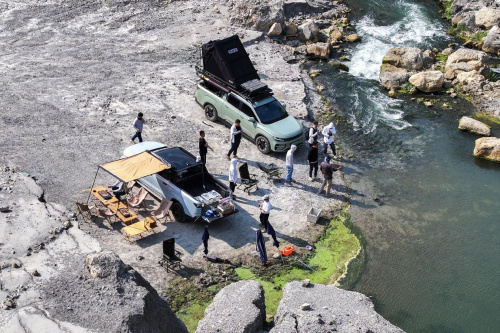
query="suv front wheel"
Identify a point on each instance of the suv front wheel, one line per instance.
(263, 144)
(211, 112)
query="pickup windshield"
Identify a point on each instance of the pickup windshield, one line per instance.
(271, 112)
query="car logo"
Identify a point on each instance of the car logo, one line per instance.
(232, 50)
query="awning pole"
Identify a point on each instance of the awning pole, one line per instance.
(91, 187)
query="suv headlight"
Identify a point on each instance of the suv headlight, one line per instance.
(279, 139)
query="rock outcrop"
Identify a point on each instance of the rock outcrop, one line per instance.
(309, 31)
(488, 148)
(473, 126)
(491, 43)
(464, 60)
(237, 308)
(487, 17)
(257, 15)
(320, 308)
(428, 81)
(398, 65)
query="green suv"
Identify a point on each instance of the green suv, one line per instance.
(264, 121)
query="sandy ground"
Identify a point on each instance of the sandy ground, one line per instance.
(73, 77)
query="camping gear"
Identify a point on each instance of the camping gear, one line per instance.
(248, 180)
(163, 210)
(85, 211)
(107, 214)
(287, 250)
(271, 170)
(138, 228)
(105, 195)
(138, 199)
(272, 233)
(205, 238)
(171, 257)
(261, 246)
(226, 206)
(313, 215)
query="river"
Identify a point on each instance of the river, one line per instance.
(427, 208)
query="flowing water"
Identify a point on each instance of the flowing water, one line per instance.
(428, 209)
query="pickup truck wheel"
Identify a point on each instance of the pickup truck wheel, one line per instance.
(211, 112)
(178, 212)
(263, 144)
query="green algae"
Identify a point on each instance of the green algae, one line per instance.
(488, 118)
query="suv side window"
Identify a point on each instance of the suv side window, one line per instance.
(233, 101)
(247, 110)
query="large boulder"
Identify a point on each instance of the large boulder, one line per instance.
(237, 308)
(320, 308)
(473, 126)
(491, 43)
(428, 81)
(392, 77)
(488, 148)
(487, 17)
(309, 31)
(409, 58)
(319, 50)
(258, 15)
(464, 60)
(466, 78)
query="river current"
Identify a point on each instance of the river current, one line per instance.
(427, 208)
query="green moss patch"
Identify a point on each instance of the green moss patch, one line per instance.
(488, 118)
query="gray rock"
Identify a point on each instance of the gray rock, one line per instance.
(488, 148)
(428, 58)
(275, 30)
(308, 31)
(305, 307)
(473, 126)
(408, 58)
(392, 77)
(257, 15)
(428, 81)
(464, 60)
(237, 308)
(492, 41)
(306, 283)
(334, 310)
(487, 17)
(104, 264)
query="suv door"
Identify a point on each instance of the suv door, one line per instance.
(237, 109)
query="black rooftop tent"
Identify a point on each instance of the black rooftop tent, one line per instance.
(228, 60)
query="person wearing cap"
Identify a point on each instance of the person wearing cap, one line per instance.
(236, 133)
(327, 170)
(265, 208)
(289, 165)
(313, 133)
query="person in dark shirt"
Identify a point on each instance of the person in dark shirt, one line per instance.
(312, 159)
(203, 146)
(327, 170)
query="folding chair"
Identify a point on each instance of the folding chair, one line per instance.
(171, 257)
(107, 214)
(138, 199)
(248, 180)
(85, 211)
(129, 186)
(163, 211)
(271, 170)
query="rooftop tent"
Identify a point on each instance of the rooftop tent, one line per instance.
(134, 167)
(228, 60)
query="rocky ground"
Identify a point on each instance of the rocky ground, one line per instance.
(73, 77)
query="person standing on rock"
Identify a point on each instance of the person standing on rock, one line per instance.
(327, 170)
(203, 147)
(328, 133)
(312, 159)
(236, 133)
(289, 165)
(233, 176)
(265, 208)
(138, 124)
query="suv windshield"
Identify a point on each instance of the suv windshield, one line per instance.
(271, 112)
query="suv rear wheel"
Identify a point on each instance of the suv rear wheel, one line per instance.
(178, 212)
(263, 144)
(211, 112)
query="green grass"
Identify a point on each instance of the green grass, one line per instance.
(479, 36)
(407, 88)
(447, 10)
(329, 257)
(459, 31)
(192, 314)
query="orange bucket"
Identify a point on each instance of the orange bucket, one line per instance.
(287, 250)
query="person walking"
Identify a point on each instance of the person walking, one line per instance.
(233, 176)
(138, 124)
(265, 208)
(313, 133)
(328, 133)
(203, 147)
(312, 159)
(327, 170)
(236, 133)
(289, 165)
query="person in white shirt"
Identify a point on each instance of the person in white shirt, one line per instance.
(233, 175)
(328, 133)
(265, 208)
(236, 133)
(289, 165)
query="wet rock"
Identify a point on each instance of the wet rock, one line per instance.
(238, 307)
(275, 30)
(318, 50)
(338, 65)
(488, 148)
(473, 126)
(352, 38)
(428, 104)
(392, 77)
(428, 81)
(392, 93)
(492, 41)
(334, 310)
(487, 17)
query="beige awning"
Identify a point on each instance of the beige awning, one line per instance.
(134, 167)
